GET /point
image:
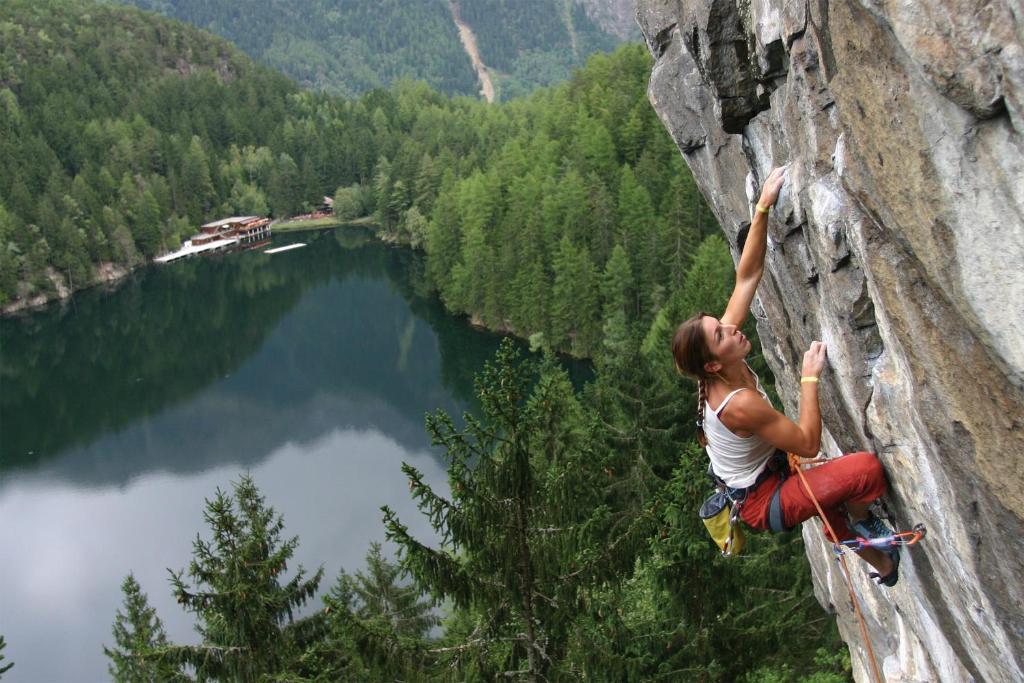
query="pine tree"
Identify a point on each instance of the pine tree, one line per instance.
(147, 226)
(245, 612)
(285, 190)
(564, 293)
(196, 190)
(617, 285)
(636, 234)
(415, 227)
(138, 637)
(523, 529)
(379, 597)
(470, 276)
(428, 182)
(382, 190)
(377, 627)
(443, 243)
(4, 668)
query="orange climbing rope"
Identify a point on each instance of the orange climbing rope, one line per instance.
(795, 465)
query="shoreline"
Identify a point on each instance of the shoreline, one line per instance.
(108, 273)
(286, 225)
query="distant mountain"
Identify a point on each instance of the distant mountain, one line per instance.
(353, 46)
(617, 17)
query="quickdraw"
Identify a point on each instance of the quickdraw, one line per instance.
(901, 538)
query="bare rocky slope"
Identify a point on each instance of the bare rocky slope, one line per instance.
(614, 16)
(899, 240)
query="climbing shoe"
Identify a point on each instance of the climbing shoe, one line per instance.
(890, 579)
(871, 527)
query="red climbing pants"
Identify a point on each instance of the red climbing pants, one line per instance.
(853, 478)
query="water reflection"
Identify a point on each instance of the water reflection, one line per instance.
(121, 411)
(68, 547)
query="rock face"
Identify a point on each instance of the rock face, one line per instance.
(899, 240)
(614, 16)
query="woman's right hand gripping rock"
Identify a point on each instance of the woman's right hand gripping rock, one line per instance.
(814, 360)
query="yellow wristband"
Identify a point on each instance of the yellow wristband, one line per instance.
(808, 379)
(762, 209)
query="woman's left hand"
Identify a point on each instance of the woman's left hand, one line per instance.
(772, 187)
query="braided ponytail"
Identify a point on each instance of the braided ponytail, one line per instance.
(702, 398)
(691, 353)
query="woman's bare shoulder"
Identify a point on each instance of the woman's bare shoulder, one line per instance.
(747, 410)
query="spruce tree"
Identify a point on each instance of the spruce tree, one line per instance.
(138, 637)
(246, 611)
(378, 626)
(617, 285)
(380, 597)
(4, 668)
(523, 529)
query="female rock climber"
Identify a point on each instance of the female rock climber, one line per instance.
(743, 433)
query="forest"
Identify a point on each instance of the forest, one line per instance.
(352, 47)
(571, 545)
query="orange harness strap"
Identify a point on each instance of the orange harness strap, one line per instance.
(795, 466)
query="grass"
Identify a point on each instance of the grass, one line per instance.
(319, 223)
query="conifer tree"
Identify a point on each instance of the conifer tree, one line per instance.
(284, 191)
(521, 528)
(246, 612)
(377, 627)
(196, 189)
(379, 597)
(4, 668)
(443, 243)
(564, 293)
(616, 283)
(138, 637)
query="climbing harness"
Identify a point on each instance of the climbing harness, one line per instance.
(721, 511)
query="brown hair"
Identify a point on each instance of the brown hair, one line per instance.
(690, 351)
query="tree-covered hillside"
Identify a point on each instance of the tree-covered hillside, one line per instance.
(124, 131)
(121, 131)
(350, 47)
(345, 48)
(567, 215)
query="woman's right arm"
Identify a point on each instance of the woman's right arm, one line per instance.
(751, 413)
(751, 264)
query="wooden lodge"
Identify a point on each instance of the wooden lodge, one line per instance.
(243, 228)
(227, 233)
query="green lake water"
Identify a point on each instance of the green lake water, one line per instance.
(122, 410)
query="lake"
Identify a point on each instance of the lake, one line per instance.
(123, 409)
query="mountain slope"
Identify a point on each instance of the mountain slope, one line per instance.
(351, 47)
(119, 132)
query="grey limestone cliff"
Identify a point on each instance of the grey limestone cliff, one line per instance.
(899, 240)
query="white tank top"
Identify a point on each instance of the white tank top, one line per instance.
(737, 460)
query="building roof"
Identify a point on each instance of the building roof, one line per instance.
(228, 221)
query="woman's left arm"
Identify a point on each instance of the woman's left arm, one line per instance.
(751, 265)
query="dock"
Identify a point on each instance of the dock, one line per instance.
(288, 247)
(189, 249)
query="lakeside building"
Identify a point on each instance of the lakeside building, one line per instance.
(244, 231)
(244, 228)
